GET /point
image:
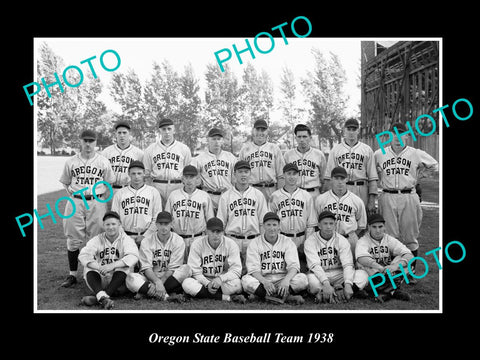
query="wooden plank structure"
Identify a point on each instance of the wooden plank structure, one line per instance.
(398, 85)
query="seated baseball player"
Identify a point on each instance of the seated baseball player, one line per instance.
(332, 277)
(162, 270)
(273, 268)
(107, 259)
(216, 267)
(377, 251)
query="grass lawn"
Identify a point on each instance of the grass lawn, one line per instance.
(52, 268)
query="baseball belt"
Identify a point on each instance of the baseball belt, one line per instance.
(167, 181)
(88, 197)
(355, 182)
(134, 233)
(293, 235)
(214, 192)
(118, 186)
(404, 191)
(264, 185)
(243, 237)
(309, 189)
(190, 236)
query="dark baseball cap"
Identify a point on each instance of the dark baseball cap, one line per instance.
(215, 223)
(136, 163)
(260, 123)
(290, 167)
(215, 132)
(351, 123)
(190, 170)
(326, 214)
(88, 134)
(242, 164)
(111, 214)
(165, 122)
(400, 127)
(122, 123)
(339, 171)
(164, 217)
(374, 218)
(270, 216)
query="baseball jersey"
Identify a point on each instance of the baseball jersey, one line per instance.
(208, 263)
(324, 256)
(242, 213)
(266, 162)
(296, 210)
(166, 162)
(161, 257)
(358, 160)
(102, 251)
(276, 259)
(216, 171)
(190, 212)
(383, 251)
(120, 160)
(79, 173)
(400, 171)
(311, 165)
(349, 210)
(138, 208)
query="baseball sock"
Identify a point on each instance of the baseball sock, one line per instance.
(412, 265)
(203, 293)
(172, 285)
(260, 291)
(118, 278)
(144, 288)
(94, 281)
(73, 261)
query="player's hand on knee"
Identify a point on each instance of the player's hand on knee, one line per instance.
(328, 293)
(160, 290)
(270, 288)
(211, 287)
(151, 290)
(347, 291)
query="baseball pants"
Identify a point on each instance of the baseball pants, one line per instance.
(352, 239)
(267, 192)
(165, 190)
(192, 286)
(242, 245)
(313, 193)
(298, 283)
(188, 243)
(335, 278)
(135, 281)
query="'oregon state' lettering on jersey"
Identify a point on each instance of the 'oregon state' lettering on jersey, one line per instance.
(328, 256)
(213, 264)
(381, 254)
(120, 163)
(260, 158)
(290, 207)
(273, 260)
(187, 208)
(106, 255)
(394, 166)
(133, 205)
(351, 160)
(161, 259)
(341, 210)
(217, 167)
(91, 174)
(243, 206)
(166, 160)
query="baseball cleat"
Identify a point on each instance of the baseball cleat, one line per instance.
(106, 303)
(401, 295)
(69, 281)
(295, 299)
(253, 298)
(238, 299)
(360, 294)
(138, 296)
(177, 298)
(89, 300)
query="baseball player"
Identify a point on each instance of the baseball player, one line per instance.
(266, 160)
(273, 268)
(376, 252)
(348, 208)
(216, 267)
(138, 204)
(121, 154)
(80, 174)
(215, 167)
(107, 259)
(165, 159)
(295, 208)
(357, 159)
(242, 208)
(190, 208)
(162, 270)
(332, 277)
(399, 170)
(310, 161)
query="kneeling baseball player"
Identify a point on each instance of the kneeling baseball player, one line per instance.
(216, 267)
(162, 270)
(107, 259)
(332, 276)
(273, 267)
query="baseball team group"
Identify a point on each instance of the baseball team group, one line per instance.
(263, 226)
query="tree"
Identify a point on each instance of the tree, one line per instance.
(257, 95)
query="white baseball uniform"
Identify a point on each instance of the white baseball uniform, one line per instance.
(120, 160)
(86, 221)
(311, 165)
(399, 203)
(207, 263)
(359, 162)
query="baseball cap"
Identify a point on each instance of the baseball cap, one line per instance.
(270, 216)
(326, 214)
(122, 123)
(165, 122)
(399, 126)
(164, 217)
(215, 223)
(190, 170)
(111, 214)
(351, 123)
(214, 132)
(242, 164)
(374, 218)
(260, 123)
(339, 171)
(88, 134)
(136, 163)
(290, 167)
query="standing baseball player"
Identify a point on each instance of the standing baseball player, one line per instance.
(107, 259)
(165, 159)
(80, 174)
(273, 268)
(190, 208)
(162, 269)
(121, 154)
(216, 266)
(266, 160)
(348, 208)
(358, 160)
(296, 210)
(376, 252)
(138, 204)
(332, 277)
(310, 161)
(242, 208)
(399, 170)
(215, 167)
